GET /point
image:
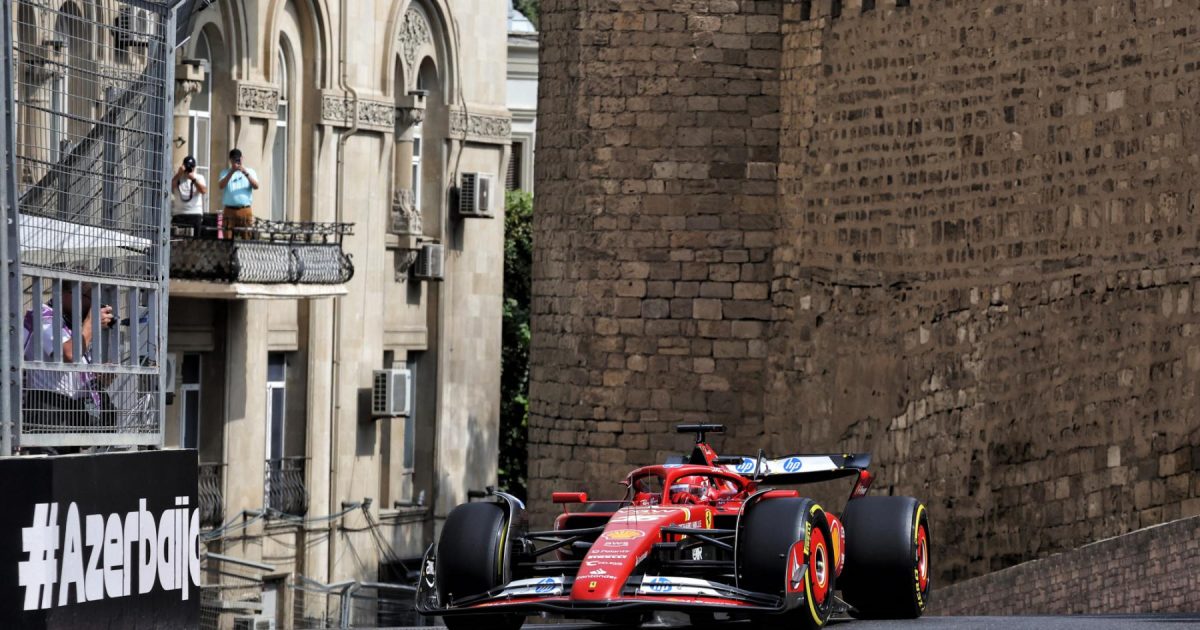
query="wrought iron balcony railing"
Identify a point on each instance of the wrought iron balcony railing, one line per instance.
(212, 502)
(285, 489)
(269, 252)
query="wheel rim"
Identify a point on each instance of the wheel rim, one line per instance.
(818, 566)
(922, 558)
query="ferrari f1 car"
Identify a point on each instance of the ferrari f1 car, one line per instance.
(702, 534)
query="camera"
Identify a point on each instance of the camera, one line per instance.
(189, 164)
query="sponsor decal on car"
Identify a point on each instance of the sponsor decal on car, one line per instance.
(623, 534)
(614, 544)
(746, 467)
(599, 572)
(792, 464)
(534, 586)
(659, 585)
(663, 585)
(708, 519)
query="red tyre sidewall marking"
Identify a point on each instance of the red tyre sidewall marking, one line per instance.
(922, 558)
(819, 575)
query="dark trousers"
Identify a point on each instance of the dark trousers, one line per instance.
(193, 221)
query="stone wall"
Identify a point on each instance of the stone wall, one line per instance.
(656, 214)
(1151, 570)
(983, 255)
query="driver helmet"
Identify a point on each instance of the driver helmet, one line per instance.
(690, 489)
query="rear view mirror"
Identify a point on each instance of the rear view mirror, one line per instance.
(569, 497)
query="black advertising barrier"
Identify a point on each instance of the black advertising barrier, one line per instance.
(100, 541)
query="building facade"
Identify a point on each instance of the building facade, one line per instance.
(959, 235)
(362, 113)
(522, 98)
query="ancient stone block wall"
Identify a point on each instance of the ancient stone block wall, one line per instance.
(1151, 570)
(981, 239)
(656, 213)
(988, 262)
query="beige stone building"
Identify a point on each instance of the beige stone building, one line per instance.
(363, 113)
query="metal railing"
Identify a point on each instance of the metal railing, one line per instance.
(212, 500)
(89, 102)
(268, 252)
(285, 489)
(353, 604)
(231, 588)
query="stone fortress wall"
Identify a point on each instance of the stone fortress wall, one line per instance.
(961, 235)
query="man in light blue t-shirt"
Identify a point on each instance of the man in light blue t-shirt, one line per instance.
(238, 184)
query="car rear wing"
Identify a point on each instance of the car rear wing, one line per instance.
(796, 469)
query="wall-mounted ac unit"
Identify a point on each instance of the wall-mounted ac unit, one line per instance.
(390, 393)
(430, 264)
(247, 622)
(133, 28)
(475, 196)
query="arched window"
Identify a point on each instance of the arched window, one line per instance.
(200, 113)
(279, 154)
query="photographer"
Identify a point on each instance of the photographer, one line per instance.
(66, 400)
(238, 183)
(188, 190)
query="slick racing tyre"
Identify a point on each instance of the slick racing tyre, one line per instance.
(771, 558)
(887, 573)
(470, 561)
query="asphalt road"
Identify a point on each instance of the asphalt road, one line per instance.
(1100, 622)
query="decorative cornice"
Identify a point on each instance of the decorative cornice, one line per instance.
(372, 115)
(260, 100)
(480, 127)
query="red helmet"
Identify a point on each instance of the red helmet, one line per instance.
(692, 489)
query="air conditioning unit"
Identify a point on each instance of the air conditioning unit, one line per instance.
(253, 623)
(430, 264)
(133, 28)
(475, 196)
(390, 393)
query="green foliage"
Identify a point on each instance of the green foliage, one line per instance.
(529, 8)
(514, 374)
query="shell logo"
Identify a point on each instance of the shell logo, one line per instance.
(624, 534)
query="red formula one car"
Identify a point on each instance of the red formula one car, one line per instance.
(700, 535)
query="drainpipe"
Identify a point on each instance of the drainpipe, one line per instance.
(335, 363)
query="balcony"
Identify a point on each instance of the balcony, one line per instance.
(285, 490)
(212, 502)
(271, 259)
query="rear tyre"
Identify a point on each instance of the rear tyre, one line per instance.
(470, 561)
(768, 558)
(887, 573)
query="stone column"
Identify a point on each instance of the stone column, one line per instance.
(189, 80)
(33, 133)
(406, 210)
(406, 213)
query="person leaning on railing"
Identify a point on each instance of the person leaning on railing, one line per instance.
(66, 401)
(238, 184)
(188, 189)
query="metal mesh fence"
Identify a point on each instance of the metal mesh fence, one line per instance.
(231, 589)
(90, 85)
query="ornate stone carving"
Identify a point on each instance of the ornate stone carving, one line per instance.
(406, 216)
(406, 117)
(414, 34)
(480, 127)
(404, 261)
(335, 109)
(376, 114)
(259, 100)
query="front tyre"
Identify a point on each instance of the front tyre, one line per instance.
(784, 548)
(471, 559)
(887, 573)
